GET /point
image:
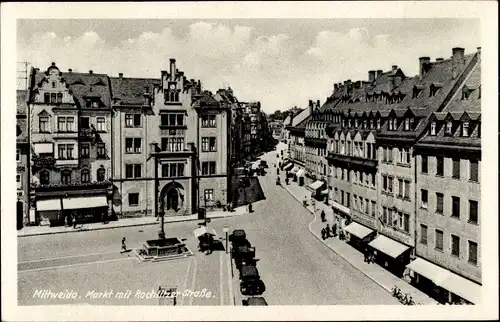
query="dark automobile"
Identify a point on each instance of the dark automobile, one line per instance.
(258, 300)
(249, 273)
(238, 237)
(251, 284)
(243, 252)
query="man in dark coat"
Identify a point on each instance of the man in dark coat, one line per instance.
(327, 230)
(323, 219)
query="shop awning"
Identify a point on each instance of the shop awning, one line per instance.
(204, 230)
(429, 270)
(316, 185)
(301, 173)
(288, 167)
(44, 148)
(358, 230)
(388, 246)
(85, 202)
(48, 205)
(341, 208)
(324, 192)
(294, 170)
(463, 287)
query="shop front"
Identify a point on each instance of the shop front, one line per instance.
(341, 215)
(49, 211)
(390, 254)
(293, 173)
(316, 188)
(85, 209)
(442, 284)
(287, 166)
(358, 235)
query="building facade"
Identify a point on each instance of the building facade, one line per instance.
(22, 159)
(70, 134)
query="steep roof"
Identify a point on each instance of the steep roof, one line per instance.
(130, 91)
(473, 88)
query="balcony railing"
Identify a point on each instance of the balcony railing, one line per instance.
(78, 185)
(351, 160)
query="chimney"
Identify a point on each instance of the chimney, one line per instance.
(394, 69)
(457, 60)
(357, 84)
(347, 85)
(479, 52)
(439, 59)
(371, 76)
(70, 70)
(172, 66)
(91, 71)
(120, 75)
(310, 107)
(310, 103)
(379, 72)
(53, 64)
(317, 103)
(335, 87)
(422, 62)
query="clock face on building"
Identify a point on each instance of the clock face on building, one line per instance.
(172, 86)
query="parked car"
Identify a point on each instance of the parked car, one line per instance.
(257, 300)
(251, 284)
(263, 164)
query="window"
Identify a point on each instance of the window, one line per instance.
(44, 124)
(472, 252)
(137, 145)
(18, 181)
(209, 194)
(355, 200)
(137, 171)
(405, 155)
(455, 246)
(407, 124)
(342, 197)
(101, 150)
(455, 208)
(44, 177)
(465, 129)
(406, 194)
(133, 171)
(439, 239)
(389, 185)
(208, 144)
(473, 170)
(379, 124)
(456, 169)
(53, 98)
(384, 182)
(449, 126)
(59, 98)
(65, 177)
(18, 155)
(361, 204)
(406, 222)
(164, 170)
(84, 150)
(172, 96)
(46, 98)
(129, 145)
(439, 166)
(129, 120)
(84, 122)
(101, 124)
(473, 209)
(374, 208)
(400, 184)
(65, 151)
(423, 234)
(101, 174)
(180, 169)
(384, 215)
(424, 198)
(53, 84)
(85, 176)
(425, 164)
(211, 167)
(367, 206)
(208, 120)
(133, 199)
(433, 128)
(439, 203)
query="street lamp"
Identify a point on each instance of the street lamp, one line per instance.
(225, 229)
(154, 154)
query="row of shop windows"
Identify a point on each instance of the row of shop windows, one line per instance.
(455, 173)
(67, 174)
(455, 243)
(67, 124)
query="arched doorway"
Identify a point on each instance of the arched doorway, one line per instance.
(172, 198)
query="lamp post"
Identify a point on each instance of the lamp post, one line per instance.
(226, 231)
(154, 154)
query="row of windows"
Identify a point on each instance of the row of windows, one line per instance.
(354, 176)
(208, 120)
(364, 205)
(455, 244)
(209, 144)
(357, 149)
(402, 155)
(66, 176)
(455, 206)
(395, 218)
(350, 123)
(404, 186)
(134, 120)
(133, 145)
(54, 98)
(172, 144)
(448, 130)
(172, 170)
(172, 119)
(473, 167)
(67, 124)
(65, 151)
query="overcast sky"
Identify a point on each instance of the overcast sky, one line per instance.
(282, 63)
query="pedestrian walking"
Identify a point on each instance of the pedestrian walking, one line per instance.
(124, 246)
(323, 219)
(74, 221)
(323, 234)
(366, 255)
(327, 230)
(334, 230)
(305, 201)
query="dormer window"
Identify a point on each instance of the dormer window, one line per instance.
(465, 129)
(350, 122)
(365, 124)
(433, 128)
(371, 124)
(88, 103)
(146, 89)
(95, 104)
(379, 123)
(449, 125)
(465, 94)
(395, 125)
(407, 124)
(53, 84)
(390, 124)
(343, 123)
(356, 123)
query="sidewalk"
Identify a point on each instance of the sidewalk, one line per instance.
(127, 222)
(376, 273)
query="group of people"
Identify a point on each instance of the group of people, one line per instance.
(369, 256)
(328, 231)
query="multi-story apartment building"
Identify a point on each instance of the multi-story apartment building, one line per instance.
(22, 159)
(171, 142)
(70, 134)
(236, 148)
(448, 190)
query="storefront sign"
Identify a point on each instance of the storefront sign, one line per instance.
(396, 235)
(370, 222)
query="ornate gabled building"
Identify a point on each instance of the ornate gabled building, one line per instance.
(70, 138)
(22, 159)
(448, 190)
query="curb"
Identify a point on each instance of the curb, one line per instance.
(344, 257)
(123, 226)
